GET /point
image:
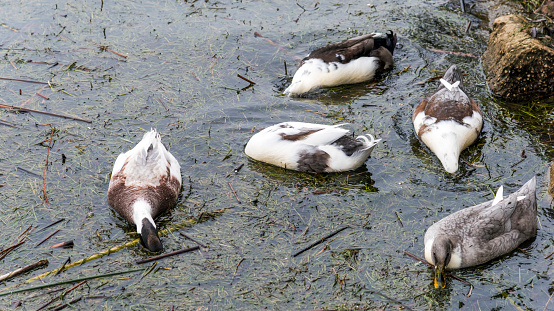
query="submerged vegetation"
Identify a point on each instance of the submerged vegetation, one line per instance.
(117, 69)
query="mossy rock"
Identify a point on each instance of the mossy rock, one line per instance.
(517, 66)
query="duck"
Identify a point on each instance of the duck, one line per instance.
(478, 234)
(448, 121)
(145, 182)
(351, 61)
(310, 147)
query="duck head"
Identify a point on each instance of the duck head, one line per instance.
(149, 236)
(441, 252)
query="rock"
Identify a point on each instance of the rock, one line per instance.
(518, 66)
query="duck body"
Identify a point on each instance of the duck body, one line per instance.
(310, 147)
(478, 234)
(448, 121)
(351, 61)
(145, 182)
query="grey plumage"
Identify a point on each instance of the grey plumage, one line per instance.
(483, 232)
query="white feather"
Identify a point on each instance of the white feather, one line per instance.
(315, 73)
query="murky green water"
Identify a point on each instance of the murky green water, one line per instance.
(180, 77)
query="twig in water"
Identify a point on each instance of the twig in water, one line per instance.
(549, 255)
(45, 97)
(28, 172)
(237, 267)
(453, 53)
(463, 5)
(188, 237)
(149, 270)
(69, 281)
(46, 165)
(22, 233)
(27, 81)
(118, 54)
(68, 260)
(43, 112)
(548, 301)
(186, 250)
(237, 169)
(117, 248)
(161, 102)
(67, 244)
(52, 224)
(245, 79)
(447, 274)
(6, 251)
(285, 62)
(66, 305)
(468, 25)
(74, 287)
(40, 263)
(320, 241)
(51, 235)
(234, 192)
(399, 220)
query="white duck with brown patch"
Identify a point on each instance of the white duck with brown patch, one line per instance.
(145, 182)
(310, 147)
(477, 234)
(351, 61)
(448, 121)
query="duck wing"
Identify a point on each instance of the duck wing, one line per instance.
(311, 134)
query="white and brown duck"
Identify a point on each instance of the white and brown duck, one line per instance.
(310, 147)
(145, 182)
(351, 61)
(448, 121)
(478, 234)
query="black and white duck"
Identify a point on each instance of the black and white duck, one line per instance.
(448, 121)
(145, 182)
(310, 147)
(351, 61)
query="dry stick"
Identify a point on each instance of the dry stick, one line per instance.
(186, 250)
(40, 263)
(51, 235)
(43, 112)
(237, 267)
(8, 124)
(27, 81)
(550, 255)
(548, 301)
(245, 79)
(118, 54)
(448, 274)
(6, 251)
(63, 244)
(453, 53)
(188, 237)
(468, 25)
(320, 241)
(46, 165)
(22, 233)
(67, 304)
(28, 172)
(117, 248)
(74, 287)
(52, 224)
(399, 220)
(234, 191)
(66, 282)
(45, 97)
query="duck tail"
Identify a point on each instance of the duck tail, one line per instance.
(149, 236)
(369, 143)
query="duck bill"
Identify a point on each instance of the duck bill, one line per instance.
(439, 277)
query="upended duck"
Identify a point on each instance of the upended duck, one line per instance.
(310, 147)
(145, 182)
(448, 121)
(351, 61)
(480, 233)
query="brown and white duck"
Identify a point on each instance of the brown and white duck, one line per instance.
(145, 182)
(351, 61)
(310, 147)
(477, 234)
(448, 121)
